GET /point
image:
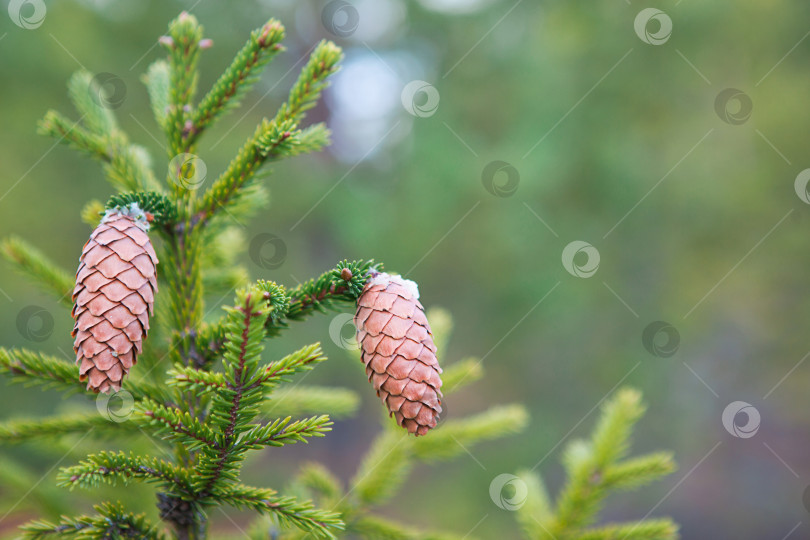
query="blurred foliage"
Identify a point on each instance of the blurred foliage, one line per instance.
(615, 121)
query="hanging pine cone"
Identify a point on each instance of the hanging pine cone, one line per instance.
(398, 351)
(115, 288)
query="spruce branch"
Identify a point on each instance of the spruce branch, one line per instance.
(162, 210)
(274, 139)
(285, 139)
(158, 85)
(377, 528)
(26, 366)
(236, 405)
(262, 45)
(288, 510)
(129, 166)
(92, 212)
(17, 431)
(183, 44)
(33, 264)
(85, 92)
(55, 125)
(636, 472)
(303, 359)
(229, 188)
(383, 469)
(337, 287)
(586, 463)
(311, 82)
(179, 426)
(276, 297)
(126, 165)
(319, 480)
(594, 470)
(111, 522)
(193, 380)
(284, 431)
(650, 529)
(113, 467)
(611, 439)
(536, 508)
(332, 290)
(183, 272)
(454, 437)
(30, 367)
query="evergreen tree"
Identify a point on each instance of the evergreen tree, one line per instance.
(201, 389)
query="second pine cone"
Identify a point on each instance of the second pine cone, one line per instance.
(398, 351)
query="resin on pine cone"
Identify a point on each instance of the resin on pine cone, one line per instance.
(115, 289)
(398, 351)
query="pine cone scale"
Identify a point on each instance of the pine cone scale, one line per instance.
(143, 263)
(99, 305)
(409, 348)
(104, 236)
(399, 368)
(387, 346)
(126, 248)
(92, 347)
(94, 254)
(135, 303)
(376, 321)
(134, 331)
(397, 327)
(112, 266)
(115, 291)
(403, 308)
(105, 361)
(414, 391)
(148, 294)
(92, 282)
(380, 363)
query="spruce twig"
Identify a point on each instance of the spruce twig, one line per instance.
(330, 291)
(277, 138)
(96, 133)
(596, 468)
(111, 522)
(18, 431)
(30, 367)
(183, 45)
(35, 265)
(263, 44)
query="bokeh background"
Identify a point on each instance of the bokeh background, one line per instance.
(623, 136)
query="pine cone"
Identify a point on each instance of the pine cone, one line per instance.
(115, 289)
(398, 351)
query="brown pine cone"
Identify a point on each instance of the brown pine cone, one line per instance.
(398, 351)
(115, 289)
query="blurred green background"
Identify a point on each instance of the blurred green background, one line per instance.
(687, 197)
